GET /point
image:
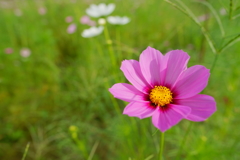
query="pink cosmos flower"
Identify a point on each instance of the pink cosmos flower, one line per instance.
(86, 20)
(8, 50)
(165, 89)
(71, 28)
(42, 10)
(69, 19)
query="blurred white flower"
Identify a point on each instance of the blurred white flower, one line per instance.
(69, 19)
(71, 28)
(18, 12)
(118, 20)
(101, 21)
(93, 31)
(223, 11)
(100, 10)
(203, 18)
(42, 10)
(25, 52)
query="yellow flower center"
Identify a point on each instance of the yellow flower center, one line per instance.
(160, 95)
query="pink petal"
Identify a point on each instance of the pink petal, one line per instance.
(191, 82)
(150, 61)
(132, 72)
(177, 63)
(164, 120)
(126, 92)
(139, 109)
(202, 106)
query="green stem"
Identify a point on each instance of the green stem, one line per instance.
(109, 43)
(214, 62)
(184, 140)
(188, 12)
(161, 144)
(26, 150)
(118, 38)
(230, 9)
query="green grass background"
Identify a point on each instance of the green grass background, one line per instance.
(65, 82)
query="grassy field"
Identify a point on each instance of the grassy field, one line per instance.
(54, 85)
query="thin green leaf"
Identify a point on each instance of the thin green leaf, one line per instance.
(236, 16)
(229, 43)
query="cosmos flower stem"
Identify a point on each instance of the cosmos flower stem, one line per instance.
(161, 145)
(230, 9)
(118, 38)
(109, 43)
(188, 12)
(99, 48)
(115, 104)
(184, 141)
(214, 62)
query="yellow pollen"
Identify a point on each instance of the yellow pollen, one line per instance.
(160, 95)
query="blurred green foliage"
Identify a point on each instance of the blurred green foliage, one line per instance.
(65, 80)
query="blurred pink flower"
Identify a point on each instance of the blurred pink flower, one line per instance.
(71, 28)
(42, 10)
(165, 89)
(84, 19)
(8, 50)
(25, 52)
(69, 19)
(87, 20)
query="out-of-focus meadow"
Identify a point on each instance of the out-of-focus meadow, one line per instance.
(54, 85)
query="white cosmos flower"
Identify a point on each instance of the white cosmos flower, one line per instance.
(91, 32)
(100, 10)
(118, 20)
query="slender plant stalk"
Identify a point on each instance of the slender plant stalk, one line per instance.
(161, 145)
(214, 63)
(118, 38)
(25, 151)
(230, 9)
(109, 43)
(184, 140)
(191, 15)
